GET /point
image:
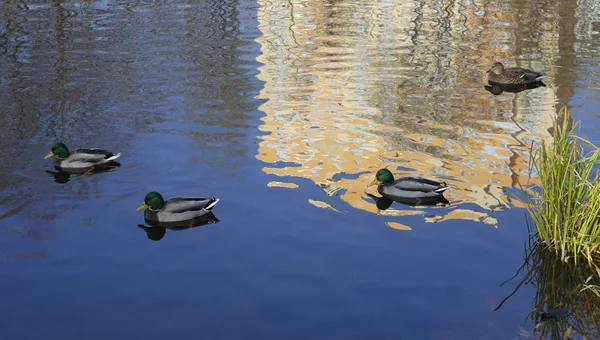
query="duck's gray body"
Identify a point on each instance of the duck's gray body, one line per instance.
(82, 160)
(412, 188)
(513, 75)
(180, 209)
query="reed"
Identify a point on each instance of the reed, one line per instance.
(566, 206)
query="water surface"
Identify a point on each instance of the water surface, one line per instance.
(284, 110)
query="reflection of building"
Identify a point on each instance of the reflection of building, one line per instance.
(351, 88)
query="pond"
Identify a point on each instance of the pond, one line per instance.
(284, 110)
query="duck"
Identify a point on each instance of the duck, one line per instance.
(408, 190)
(81, 160)
(497, 74)
(175, 210)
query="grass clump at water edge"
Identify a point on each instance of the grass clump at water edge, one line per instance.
(566, 209)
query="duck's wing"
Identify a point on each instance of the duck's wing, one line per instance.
(420, 184)
(81, 158)
(177, 205)
(525, 75)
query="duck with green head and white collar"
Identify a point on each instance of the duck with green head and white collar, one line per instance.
(82, 160)
(175, 210)
(408, 189)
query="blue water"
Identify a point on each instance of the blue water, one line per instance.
(174, 88)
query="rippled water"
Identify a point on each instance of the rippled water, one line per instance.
(284, 110)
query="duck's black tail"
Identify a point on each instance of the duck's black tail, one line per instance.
(442, 188)
(213, 201)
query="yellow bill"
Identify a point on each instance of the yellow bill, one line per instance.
(373, 182)
(142, 207)
(49, 155)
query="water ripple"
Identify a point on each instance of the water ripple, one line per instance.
(354, 86)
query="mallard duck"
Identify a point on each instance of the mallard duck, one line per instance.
(513, 75)
(176, 209)
(81, 160)
(408, 189)
(157, 231)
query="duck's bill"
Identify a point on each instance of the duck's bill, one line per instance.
(50, 154)
(142, 207)
(373, 182)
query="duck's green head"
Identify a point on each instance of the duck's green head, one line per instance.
(59, 150)
(497, 68)
(383, 175)
(154, 200)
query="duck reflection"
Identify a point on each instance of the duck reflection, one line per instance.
(497, 89)
(61, 176)
(157, 230)
(384, 203)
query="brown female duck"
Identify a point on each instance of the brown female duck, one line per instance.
(497, 74)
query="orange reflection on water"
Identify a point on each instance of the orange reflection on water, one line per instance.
(354, 86)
